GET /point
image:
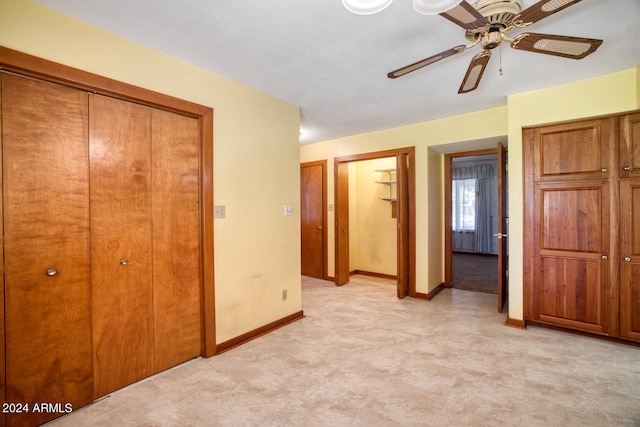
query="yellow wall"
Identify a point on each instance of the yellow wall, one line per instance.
(638, 86)
(603, 95)
(429, 218)
(256, 157)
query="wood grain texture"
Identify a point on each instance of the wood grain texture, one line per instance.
(206, 239)
(573, 278)
(572, 181)
(630, 145)
(2, 333)
(572, 217)
(46, 225)
(630, 276)
(120, 150)
(176, 244)
(312, 229)
(569, 151)
(27, 65)
(342, 222)
(402, 224)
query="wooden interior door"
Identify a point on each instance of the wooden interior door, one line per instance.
(630, 245)
(571, 217)
(573, 274)
(502, 228)
(121, 255)
(402, 178)
(312, 230)
(342, 223)
(176, 242)
(46, 243)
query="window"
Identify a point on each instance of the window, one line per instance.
(463, 202)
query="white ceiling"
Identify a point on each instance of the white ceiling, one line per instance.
(333, 64)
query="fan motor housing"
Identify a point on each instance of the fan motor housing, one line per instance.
(498, 11)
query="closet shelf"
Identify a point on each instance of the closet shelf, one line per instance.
(391, 182)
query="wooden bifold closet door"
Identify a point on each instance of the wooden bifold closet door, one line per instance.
(121, 268)
(102, 249)
(144, 241)
(46, 246)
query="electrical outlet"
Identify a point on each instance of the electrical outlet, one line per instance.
(284, 295)
(219, 211)
(288, 210)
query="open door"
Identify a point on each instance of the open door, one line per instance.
(342, 223)
(402, 178)
(502, 227)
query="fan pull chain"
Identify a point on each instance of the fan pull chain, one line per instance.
(500, 59)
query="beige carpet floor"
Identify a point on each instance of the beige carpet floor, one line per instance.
(361, 357)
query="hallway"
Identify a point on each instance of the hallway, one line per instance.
(361, 357)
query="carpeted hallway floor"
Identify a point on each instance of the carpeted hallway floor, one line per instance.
(362, 357)
(475, 272)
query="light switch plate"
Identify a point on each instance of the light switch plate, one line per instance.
(219, 211)
(288, 210)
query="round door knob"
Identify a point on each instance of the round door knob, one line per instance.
(123, 262)
(52, 272)
(319, 227)
(604, 257)
(627, 168)
(604, 169)
(627, 259)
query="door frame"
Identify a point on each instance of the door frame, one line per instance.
(448, 227)
(341, 184)
(325, 258)
(32, 66)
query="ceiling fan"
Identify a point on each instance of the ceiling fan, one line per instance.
(488, 22)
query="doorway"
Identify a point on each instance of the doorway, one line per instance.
(476, 222)
(404, 199)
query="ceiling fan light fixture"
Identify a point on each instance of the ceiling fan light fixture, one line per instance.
(434, 7)
(366, 7)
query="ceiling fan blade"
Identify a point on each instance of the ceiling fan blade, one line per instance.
(542, 9)
(428, 61)
(475, 71)
(565, 46)
(465, 16)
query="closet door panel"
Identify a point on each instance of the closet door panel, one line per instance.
(176, 242)
(46, 244)
(573, 150)
(120, 148)
(630, 145)
(630, 276)
(572, 277)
